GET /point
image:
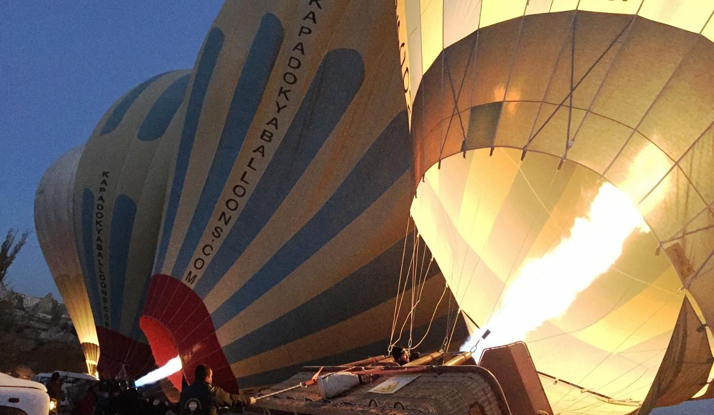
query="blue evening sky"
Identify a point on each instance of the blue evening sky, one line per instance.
(62, 65)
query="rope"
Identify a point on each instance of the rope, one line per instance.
(399, 284)
(570, 104)
(413, 311)
(419, 278)
(410, 314)
(422, 282)
(445, 342)
(453, 328)
(446, 287)
(399, 306)
(413, 290)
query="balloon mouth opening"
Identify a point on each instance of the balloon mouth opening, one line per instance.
(165, 351)
(533, 251)
(91, 357)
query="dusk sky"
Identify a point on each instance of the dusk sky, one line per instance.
(62, 65)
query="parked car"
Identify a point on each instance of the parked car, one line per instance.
(23, 397)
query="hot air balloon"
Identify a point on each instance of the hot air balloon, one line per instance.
(118, 199)
(54, 224)
(563, 182)
(285, 224)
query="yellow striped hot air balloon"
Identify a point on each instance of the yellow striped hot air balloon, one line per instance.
(284, 228)
(54, 224)
(526, 117)
(118, 199)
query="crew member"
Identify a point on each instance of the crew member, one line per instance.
(400, 355)
(54, 387)
(203, 398)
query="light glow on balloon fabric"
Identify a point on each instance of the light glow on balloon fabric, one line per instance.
(546, 287)
(171, 367)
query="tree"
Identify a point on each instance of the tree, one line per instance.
(7, 316)
(10, 350)
(9, 250)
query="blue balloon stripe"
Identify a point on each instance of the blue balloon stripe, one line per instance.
(336, 82)
(162, 112)
(368, 180)
(123, 217)
(204, 72)
(123, 107)
(368, 287)
(136, 332)
(246, 99)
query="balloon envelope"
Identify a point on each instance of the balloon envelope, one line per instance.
(284, 228)
(54, 224)
(619, 88)
(118, 200)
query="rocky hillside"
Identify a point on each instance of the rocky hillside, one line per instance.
(37, 333)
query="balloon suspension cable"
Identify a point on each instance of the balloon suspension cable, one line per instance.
(418, 280)
(398, 302)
